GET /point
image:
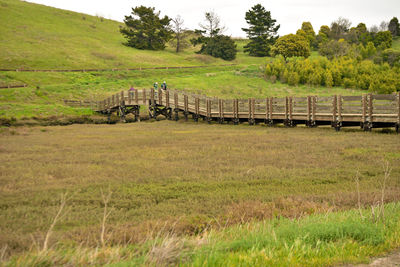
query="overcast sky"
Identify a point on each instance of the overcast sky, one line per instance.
(288, 13)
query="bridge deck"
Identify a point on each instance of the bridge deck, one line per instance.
(368, 111)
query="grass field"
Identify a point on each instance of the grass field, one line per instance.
(180, 177)
(181, 193)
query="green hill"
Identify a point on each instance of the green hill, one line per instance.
(34, 36)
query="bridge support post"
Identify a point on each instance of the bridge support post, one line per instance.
(176, 114)
(367, 126)
(108, 112)
(337, 125)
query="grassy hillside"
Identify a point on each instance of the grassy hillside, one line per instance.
(35, 37)
(38, 37)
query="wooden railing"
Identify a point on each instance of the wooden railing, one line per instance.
(369, 110)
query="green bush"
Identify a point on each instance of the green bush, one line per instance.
(342, 71)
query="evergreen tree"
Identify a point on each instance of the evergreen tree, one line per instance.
(394, 27)
(309, 33)
(146, 30)
(262, 31)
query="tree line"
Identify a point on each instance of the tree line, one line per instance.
(351, 57)
(145, 29)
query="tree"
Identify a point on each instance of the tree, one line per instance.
(368, 51)
(383, 26)
(363, 35)
(339, 27)
(212, 26)
(323, 35)
(146, 30)
(394, 27)
(180, 34)
(291, 45)
(212, 42)
(334, 48)
(220, 46)
(383, 40)
(309, 31)
(262, 31)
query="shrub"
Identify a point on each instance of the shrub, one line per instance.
(293, 78)
(291, 45)
(347, 72)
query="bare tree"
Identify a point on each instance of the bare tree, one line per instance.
(180, 33)
(384, 26)
(339, 27)
(212, 25)
(374, 29)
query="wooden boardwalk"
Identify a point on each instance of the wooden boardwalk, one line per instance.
(368, 111)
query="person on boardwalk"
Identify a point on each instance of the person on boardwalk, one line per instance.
(155, 85)
(164, 86)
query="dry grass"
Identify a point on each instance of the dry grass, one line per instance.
(191, 176)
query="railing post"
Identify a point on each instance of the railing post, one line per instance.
(159, 96)
(167, 99)
(334, 111)
(398, 115)
(176, 109)
(286, 121)
(130, 93)
(144, 97)
(364, 110)
(370, 108)
(185, 106)
(313, 111)
(291, 111)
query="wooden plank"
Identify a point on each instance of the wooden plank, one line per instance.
(390, 97)
(290, 107)
(144, 96)
(351, 98)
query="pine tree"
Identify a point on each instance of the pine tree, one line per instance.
(147, 31)
(262, 31)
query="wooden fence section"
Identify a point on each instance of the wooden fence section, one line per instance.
(117, 69)
(368, 111)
